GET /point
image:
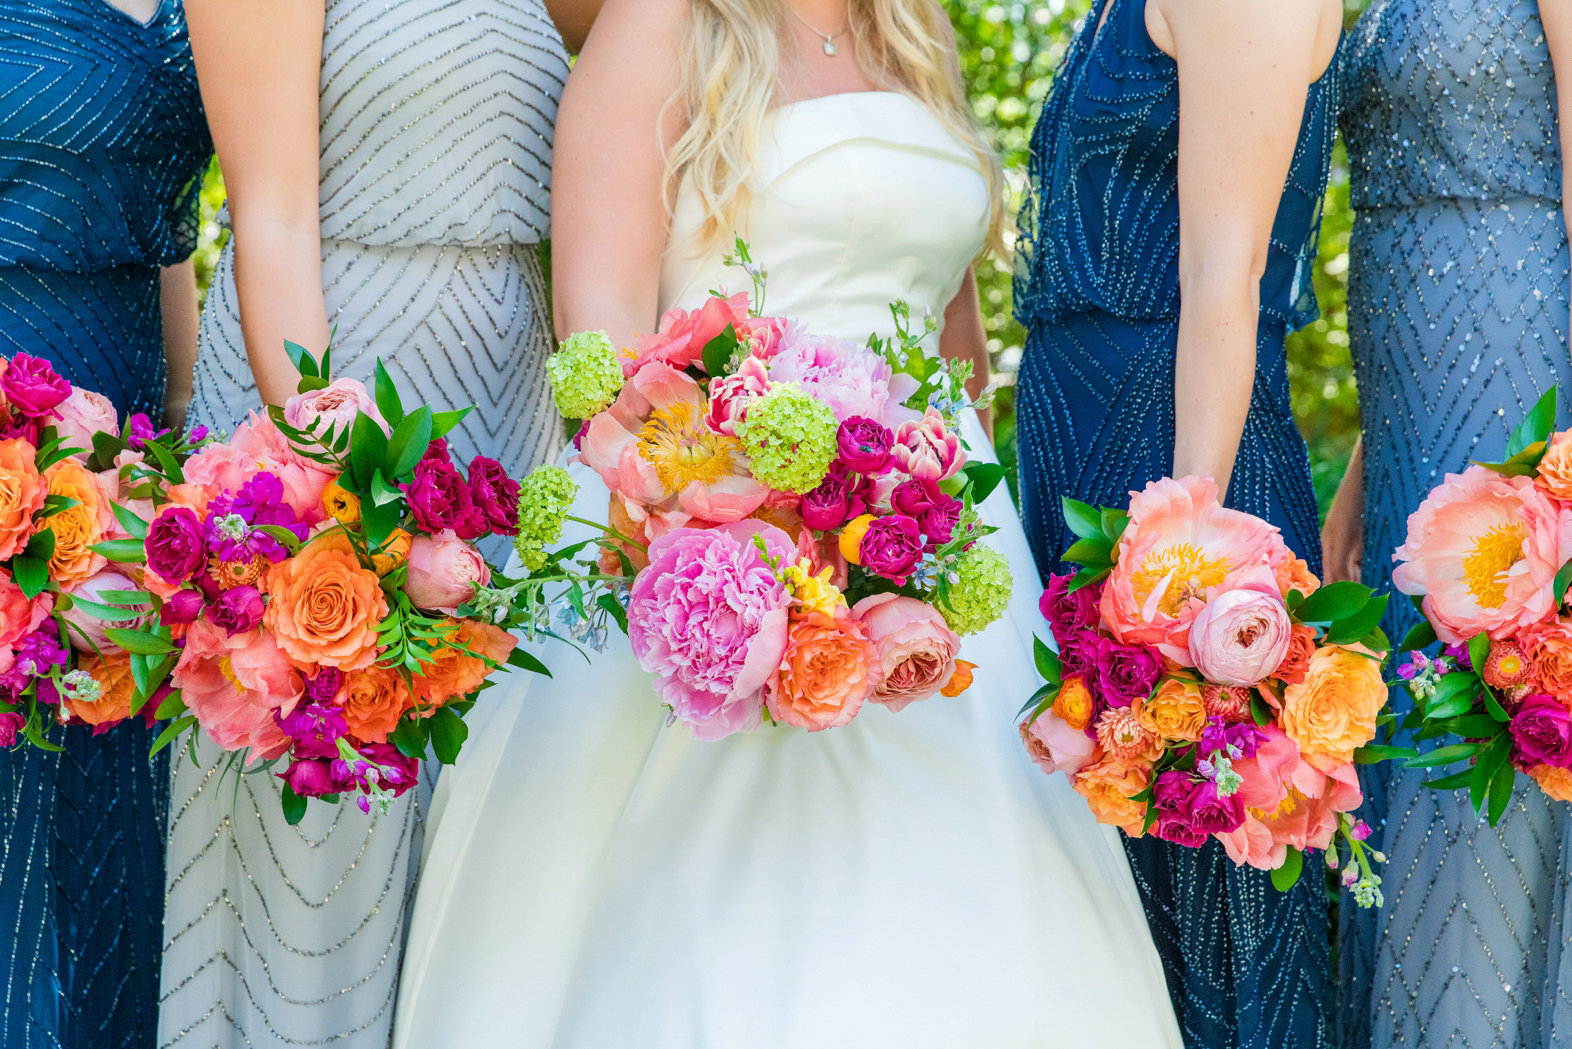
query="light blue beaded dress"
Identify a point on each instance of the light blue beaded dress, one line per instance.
(1458, 309)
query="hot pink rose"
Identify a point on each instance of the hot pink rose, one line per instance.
(335, 405)
(444, 572)
(1484, 550)
(926, 450)
(1057, 746)
(730, 396)
(1242, 635)
(916, 648)
(234, 684)
(83, 414)
(90, 627)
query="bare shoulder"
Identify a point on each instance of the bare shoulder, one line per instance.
(643, 16)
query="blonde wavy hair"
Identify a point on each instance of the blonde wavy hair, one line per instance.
(731, 66)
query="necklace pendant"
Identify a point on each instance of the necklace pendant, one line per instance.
(829, 48)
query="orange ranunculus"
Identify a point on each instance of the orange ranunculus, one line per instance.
(1301, 646)
(22, 495)
(1108, 786)
(1548, 645)
(79, 527)
(455, 673)
(1333, 710)
(372, 700)
(394, 552)
(1293, 574)
(1556, 782)
(1555, 469)
(828, 670)
(325, 606)
(1177, 711)
(1074, 703)
(960, 681)
(116, 687)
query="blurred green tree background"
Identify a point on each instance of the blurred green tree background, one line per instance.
(1009, 52)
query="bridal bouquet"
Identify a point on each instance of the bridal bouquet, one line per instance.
(793, 519)
(65, 506)
(1488, 561)
(1206, 685)
(303, 581)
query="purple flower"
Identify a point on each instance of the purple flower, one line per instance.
(495, 495)
(1070, 613)
(1236, 741)
(1078, 656)
(315, 728)
(197, 435)
(381, 764)
(176, 545)
(828, 506)
(324, 685)
(1125, 673)
(237, 610)
(936, 513)
(33, 387)
(891, 547)
(1541, 732)
(183, 606)
(234, 522)
(1459, 653)
(438, 496)
(41, 651)
(1360, 831)
(437, 451)
(142, 431)
(310, 777)
(1417, 664)
(865, 445)
(11, 723)
(1190, 810)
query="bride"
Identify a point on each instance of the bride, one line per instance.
(598, 878)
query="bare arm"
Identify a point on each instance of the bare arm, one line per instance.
(1244, 71)
(259, 64)
(574, 19)
(178, 304)
(608, 222)
(1557, 18)
(964, 339)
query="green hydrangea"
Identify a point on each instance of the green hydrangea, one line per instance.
(544, 500)
(585, 375)
(978, 591)
(790, 436)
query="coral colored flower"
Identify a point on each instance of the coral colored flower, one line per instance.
(1288, 802)
(444, 572)
(1484, 550)
(1333, 710)
(1301, 646)
(916, 649)
(1108, 787)
(1548, 645)
(18, 616)
(1506, 666)
(1179, 548)
(1176, 712)
(83, 414)
(373, 700)
(78, 527)
(683, 334)
(960, 681)
(927, 450)
(456, 672)
(1057, 746)
(855, 382)
(828, 670)
(1241, 636)
(1555, 782)
(1230, 703)
(1124, 737)
(1291, 573)
(333, 408)
(261, 446)
(22, 494)
(234, 685)
(1555, 469)
(325, 606)
(115, 690)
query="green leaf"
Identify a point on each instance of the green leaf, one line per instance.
(1471, 726)
(1085, 521)
(448, 733)
(293, 804)
(135, 527)
(1563, 580)
(171, 731)
(1089, 577)
(166, 463)
(1493, 705)
(31, 574)
(386, 394)
(124, 551)
(41, 545)
(526, 661)
(1453, 696)
(1333, 602)
(410, 737)
(310, 384)
(985, 477)
(1444, 755)
(1501, 785)
(1114, 524)
(145, 642)
(106, 446)
(1537, 426)
(442, 423)
(56, 504)
(1260, 712)
(1048, 663)
(718, 351)
(1523, 464)
(1352, 628)
(1479, 651)
(1090, 552)
(1452, 781)
(614, 609)
(368, 449)
(301, 358)
(1286, 876)
(287, 539)
(1374, 752)
(1420, 635)
(172, 705)
(107, 613)
(409, 442)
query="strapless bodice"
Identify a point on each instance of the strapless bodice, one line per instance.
(862, 199)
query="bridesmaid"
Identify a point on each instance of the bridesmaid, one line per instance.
(1212, 119)
(1458, 306)
(102, 150)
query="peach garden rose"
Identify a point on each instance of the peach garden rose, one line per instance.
(825, 675)
(1333, 710)
(78, 527)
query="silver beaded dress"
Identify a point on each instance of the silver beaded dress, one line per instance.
(1458, 310)
(436, 134)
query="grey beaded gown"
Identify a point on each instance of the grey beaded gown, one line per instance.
(1458, 309)
(436, 134)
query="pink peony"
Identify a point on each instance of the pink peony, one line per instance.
(916, 648)
(684, 334)
(730, 396)
(444, 572)
(1242, 635)
(303, 480)
(1484, 550)
(18, 617)
(708, 617)
(335, 405)
(234, 684)
(83, 414)
(855, 382)
(1180, 547)
(927, 451)
(1057, 746)
(1287, 802)
(90, 627)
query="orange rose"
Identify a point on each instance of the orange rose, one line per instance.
(79, 527)
(829, 668)
(21, 496)
(1074, 703)
(373, 699)
(1555, 469)
(1177, 711)
(454, 674)
(1108, 786)
(116, 687)
(325, 607)
(1548, 646)
(1333, 710)
(1553, 781)
(1301, 646)
(1294, 574)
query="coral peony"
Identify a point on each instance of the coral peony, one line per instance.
(456, 672)
(115, 690)
(916, 649)
(18, 616)
(828, 670)
(325, 607)
(1241, 636)
(263, 447)
(683, 334)
(1483, 550)
(234, 685)
(444, 572)
(1108, 787)
(78, 527)
(22, 494)
(1333, 710)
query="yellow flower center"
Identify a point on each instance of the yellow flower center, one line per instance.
(1284, 807)
(1485, 567)
(226, 668)
(683, 449)
(1176, 574)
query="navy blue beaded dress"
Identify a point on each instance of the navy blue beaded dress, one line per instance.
(1099, 295)
(102, 147)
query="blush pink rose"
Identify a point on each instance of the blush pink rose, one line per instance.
(303, 480)
(83, 414)
(916, 648)
(444, 572)
(1057, 746)
(91, 627)
(233, 685)
(335, 405)
(1484, 550)
(1242, 635)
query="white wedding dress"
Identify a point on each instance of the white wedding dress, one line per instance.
(598, 879)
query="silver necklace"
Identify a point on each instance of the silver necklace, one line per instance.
(829, 38)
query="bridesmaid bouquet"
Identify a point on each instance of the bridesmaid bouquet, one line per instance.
(304, 583)
(1488, 561)
(793, 520)
(66, 506)
(1207, 686)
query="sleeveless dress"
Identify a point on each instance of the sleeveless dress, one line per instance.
(1099, 296)
(436, 135)
(910, 880)
(102, 149)
(1458, 305)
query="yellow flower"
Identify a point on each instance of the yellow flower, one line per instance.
(341, 505)
(851, 538)
(815, 593)
(394, 552)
